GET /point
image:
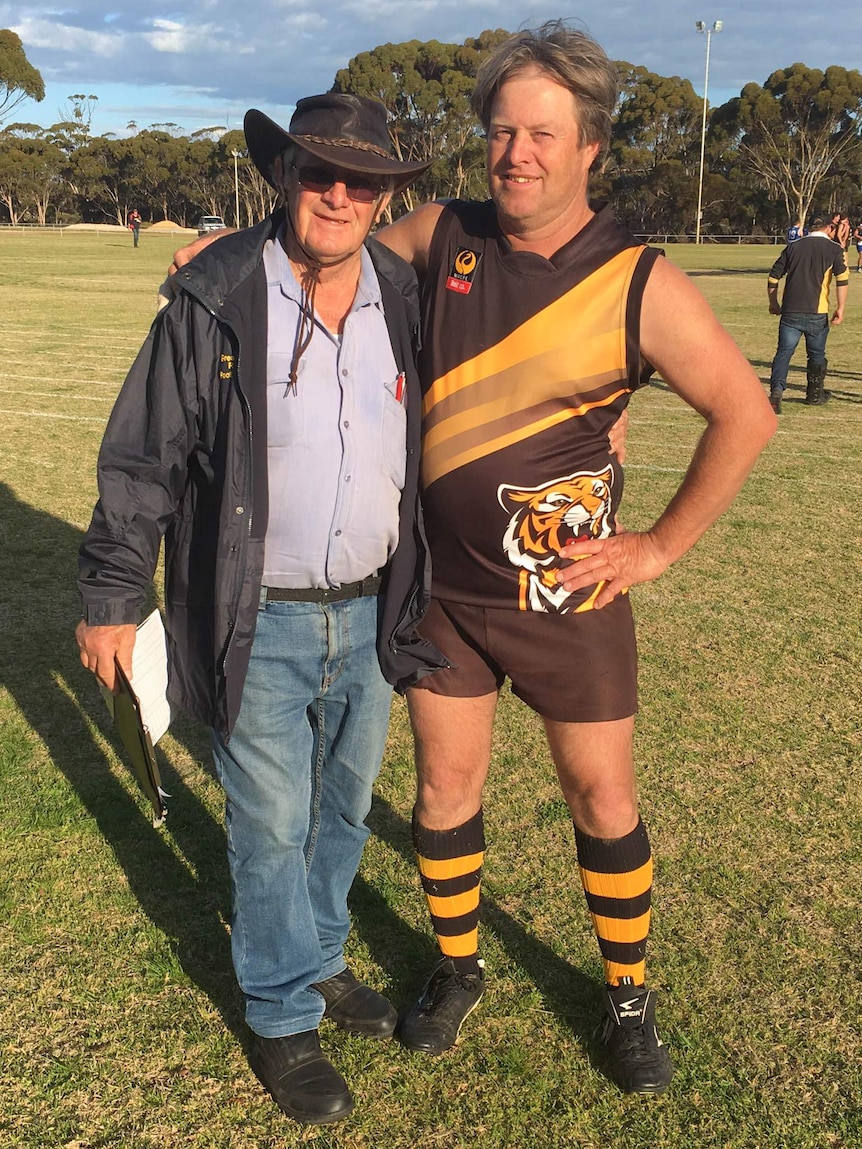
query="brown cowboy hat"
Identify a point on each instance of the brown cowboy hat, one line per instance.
(347, 132)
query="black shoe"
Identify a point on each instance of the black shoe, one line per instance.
(301, 1081)
(815, 396)
(449, 997)
(640, 1060)
(775, 401)
(355, 1007)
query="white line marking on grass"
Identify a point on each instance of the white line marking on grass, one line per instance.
(77, 382)
(79, 355)
(84, 332)
(56, 394)
(650, 467)
(51, 415)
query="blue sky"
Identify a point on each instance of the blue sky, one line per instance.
(204, 63)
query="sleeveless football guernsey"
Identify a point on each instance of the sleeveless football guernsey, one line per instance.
(526, 364)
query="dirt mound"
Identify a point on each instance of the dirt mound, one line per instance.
(167, 225)
(93, 227)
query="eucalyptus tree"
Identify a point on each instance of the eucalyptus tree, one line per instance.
(31, 173)
(652, 166)
(426, 87)
(19, 80)
(797, 130)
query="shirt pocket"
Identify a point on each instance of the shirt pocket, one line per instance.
(394, 425)
(284, 403)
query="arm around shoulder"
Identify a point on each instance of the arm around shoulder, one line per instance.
(410, 237)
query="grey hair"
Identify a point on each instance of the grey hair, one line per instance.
(569, 57)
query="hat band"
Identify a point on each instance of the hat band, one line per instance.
(360, 145)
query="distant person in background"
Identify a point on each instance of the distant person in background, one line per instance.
(857, 239)
(795, 231)
(809, 265)
(135, 224)
(842, 231)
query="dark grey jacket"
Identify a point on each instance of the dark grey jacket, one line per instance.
(184, 456)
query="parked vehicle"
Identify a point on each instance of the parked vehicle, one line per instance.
(210, 223)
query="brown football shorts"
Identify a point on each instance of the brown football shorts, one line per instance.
(566, 667)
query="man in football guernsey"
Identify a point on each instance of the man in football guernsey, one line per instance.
(542, 315)
(808, 268)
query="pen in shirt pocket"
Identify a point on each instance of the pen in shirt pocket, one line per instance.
(399, 388)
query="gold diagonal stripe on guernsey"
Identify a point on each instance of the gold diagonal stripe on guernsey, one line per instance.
(449, 867)
(502, 395)
(478, 441)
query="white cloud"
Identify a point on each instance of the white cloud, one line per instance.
(169, 36)
(268, 53)
(37, 33)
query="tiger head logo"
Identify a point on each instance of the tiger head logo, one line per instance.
(544, 519)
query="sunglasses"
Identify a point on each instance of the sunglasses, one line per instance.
(320, 179)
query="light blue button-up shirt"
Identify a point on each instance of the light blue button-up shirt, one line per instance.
(337, 443)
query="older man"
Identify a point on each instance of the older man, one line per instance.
(541, 315)
(270, 427)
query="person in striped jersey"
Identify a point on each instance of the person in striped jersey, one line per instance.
(541, 316)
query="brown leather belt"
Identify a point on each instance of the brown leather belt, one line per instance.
(361, 589)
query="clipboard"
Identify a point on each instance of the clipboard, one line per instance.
(135, 736)
(142, 716)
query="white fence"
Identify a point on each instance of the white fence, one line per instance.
(654, 237)
(89, 229)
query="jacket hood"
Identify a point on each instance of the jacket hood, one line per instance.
(227, 262)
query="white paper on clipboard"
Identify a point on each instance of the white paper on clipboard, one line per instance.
(149, 677)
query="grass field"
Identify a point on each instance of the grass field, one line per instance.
(121, 1025)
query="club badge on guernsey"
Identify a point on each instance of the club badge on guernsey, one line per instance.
(463, 270)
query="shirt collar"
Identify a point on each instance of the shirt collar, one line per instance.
(280, 273)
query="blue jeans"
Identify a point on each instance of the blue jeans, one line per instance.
(792, 327)
(297, 774)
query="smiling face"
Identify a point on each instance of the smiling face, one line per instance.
(537, 168)
(329, 224)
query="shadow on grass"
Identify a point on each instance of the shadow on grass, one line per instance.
(795, 392)
(38, 655)
(764, 366)
(714, 272)
(187, 898)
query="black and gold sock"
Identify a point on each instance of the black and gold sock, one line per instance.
(450, 865)
(617, 878)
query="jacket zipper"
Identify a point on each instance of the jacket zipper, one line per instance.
(249, 504)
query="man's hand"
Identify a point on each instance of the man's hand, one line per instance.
(774, 307)
(837, 318)
(620, 562)
(184, 255)
(617, 437)
(99, 645)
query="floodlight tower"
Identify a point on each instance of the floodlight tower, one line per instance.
(235, 155)
(701, 27)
